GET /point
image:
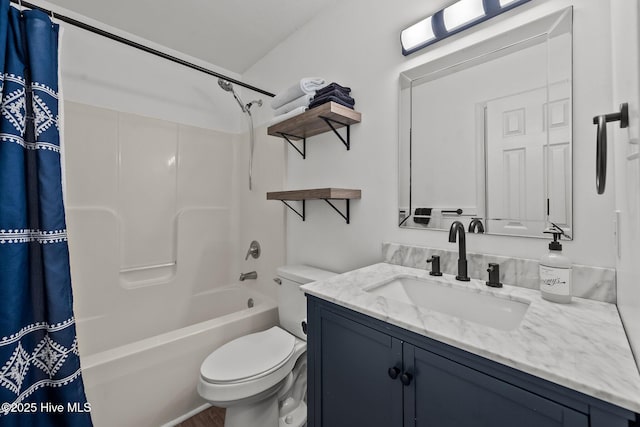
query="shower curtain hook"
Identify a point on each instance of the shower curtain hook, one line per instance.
(20, 6)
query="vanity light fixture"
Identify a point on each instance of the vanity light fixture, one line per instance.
(462, 13)
(417, 35)
(451, 20)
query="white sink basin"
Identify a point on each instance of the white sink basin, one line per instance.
(469, 304)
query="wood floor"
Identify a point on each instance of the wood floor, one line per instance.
(212, 417)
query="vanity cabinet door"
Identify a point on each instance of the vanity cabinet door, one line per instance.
(356, 385)
(448, 394)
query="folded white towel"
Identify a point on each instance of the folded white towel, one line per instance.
(306, 86)
(303, 101)
(285, 116)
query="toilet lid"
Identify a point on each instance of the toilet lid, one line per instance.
(249, 356)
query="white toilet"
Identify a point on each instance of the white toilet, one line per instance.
(261, 378)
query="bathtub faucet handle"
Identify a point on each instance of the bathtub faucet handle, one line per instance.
(254, 250)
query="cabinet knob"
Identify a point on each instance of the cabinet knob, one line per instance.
(406, 378)
(393, 373)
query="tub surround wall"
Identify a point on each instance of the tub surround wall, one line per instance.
(103, 151)
(154, 88)
(588, 282)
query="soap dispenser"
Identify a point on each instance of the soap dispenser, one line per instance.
(555, 270)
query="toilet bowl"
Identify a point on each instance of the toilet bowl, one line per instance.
(261, 377)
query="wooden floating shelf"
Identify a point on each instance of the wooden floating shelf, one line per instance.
(310, 123)
(323, 118)
(315, 194)
(325, 194)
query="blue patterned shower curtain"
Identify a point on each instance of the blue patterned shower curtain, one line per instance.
(40, 379)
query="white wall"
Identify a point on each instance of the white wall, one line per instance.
(362, 50)
(625, 18)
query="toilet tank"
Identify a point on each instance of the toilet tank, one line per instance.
(292, 304)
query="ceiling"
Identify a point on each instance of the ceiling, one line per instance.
(233, 34)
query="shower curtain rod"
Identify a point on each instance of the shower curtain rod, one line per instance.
(139, 46)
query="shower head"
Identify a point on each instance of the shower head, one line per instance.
(228, 87)
(225, 85)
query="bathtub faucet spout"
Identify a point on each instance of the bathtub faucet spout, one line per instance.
(249, 275)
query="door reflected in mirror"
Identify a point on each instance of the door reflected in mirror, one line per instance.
(485, 134)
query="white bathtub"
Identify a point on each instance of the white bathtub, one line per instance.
(152, 381)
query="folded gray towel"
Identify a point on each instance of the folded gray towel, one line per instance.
(335, 99)
(331, 87)
(338, 94)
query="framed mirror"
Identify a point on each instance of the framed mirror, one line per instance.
(486, 134)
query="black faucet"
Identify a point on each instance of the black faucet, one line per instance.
(475, 226)
(458, 229)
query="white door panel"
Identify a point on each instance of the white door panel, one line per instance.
(528, 155)
(514, 149)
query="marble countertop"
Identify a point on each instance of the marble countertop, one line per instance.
(581, 345)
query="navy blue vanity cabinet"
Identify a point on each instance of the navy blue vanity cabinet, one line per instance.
(448, 394)
(363, 372)
(356, 388)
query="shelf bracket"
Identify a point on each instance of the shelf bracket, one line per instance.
(302, 152)
(346, 217)
(301, 215)
(347, 142)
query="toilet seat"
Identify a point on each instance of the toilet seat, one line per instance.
(228, 377)
(249, 357)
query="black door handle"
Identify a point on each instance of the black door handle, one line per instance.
(393, 373)
(406, 378)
